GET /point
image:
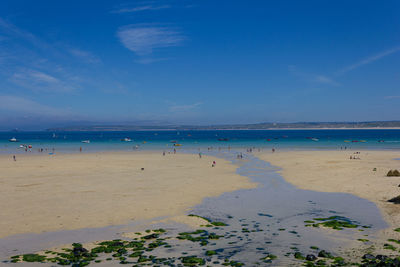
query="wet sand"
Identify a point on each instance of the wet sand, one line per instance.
(334, 171)
(41, 193)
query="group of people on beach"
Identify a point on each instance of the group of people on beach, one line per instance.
(355, 157)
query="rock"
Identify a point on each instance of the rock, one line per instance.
(311, 257)
(368, 257)
(79, 251)
(395, 200)
(298, 255)
(393, 173)
(381, 257)
(324, 254)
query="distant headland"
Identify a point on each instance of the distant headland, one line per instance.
(255, 126)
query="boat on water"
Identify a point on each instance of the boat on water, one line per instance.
(177, 145)
(315, 139)
(86, 141)
(173, 141)
(13, 139)
(126, 139)
(223, 139)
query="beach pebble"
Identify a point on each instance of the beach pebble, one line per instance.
(324, 254)
(368, 257)
(381, 257)
(311, 257)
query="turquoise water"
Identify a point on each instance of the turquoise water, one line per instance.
(161, 140)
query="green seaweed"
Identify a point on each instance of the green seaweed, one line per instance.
(389, 247)
(192, 261)
(335, 222)
(211, 252)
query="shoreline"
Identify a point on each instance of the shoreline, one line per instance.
(89, 190)
(320, 170)
(334, 171)
(216, 129)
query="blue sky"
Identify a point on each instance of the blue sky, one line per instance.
(198, 62)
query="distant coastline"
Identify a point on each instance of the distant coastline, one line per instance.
(373, 125)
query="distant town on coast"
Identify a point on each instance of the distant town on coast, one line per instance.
(256, 126)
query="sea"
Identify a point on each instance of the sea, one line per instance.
(70, 142)
(270, 218)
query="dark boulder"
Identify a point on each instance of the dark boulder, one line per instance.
(395, 200)
(392, 173)
(311, 257)
(368, 257)
(324, 254)
(381, 257)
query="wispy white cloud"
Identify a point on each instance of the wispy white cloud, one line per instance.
(24, 106)
(149, 60)
(368, 60)
(143, 40)
(392, 96)
(85, 56)
(182, 108)
(39, 81)
(148, 7)
(315, 78)
(32, 63)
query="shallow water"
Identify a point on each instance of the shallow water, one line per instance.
(276, 205)
(273, 214)
(160, 140)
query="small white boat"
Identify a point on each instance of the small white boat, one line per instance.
(86, 141)
(315, 139)
(13, 139)
(126, 139)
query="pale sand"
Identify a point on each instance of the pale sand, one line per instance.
(70, 191)
(334, 171)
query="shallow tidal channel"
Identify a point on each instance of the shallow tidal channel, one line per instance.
(260, 223)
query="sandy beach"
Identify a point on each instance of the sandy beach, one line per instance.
(334, 171)
(41, 193)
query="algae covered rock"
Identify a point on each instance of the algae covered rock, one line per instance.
(392, 173)
(395, 200)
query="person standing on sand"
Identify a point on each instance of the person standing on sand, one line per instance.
(200, 155)
(15, 159)
(80, 149)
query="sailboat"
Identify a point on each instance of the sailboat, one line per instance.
(13, 139)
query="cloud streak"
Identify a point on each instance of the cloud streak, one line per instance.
(368, 60)
(314, 78)
(24, 106)
(392, 97)
(141, 8)
(182, 108)
(39, 81)
(84, 55)
(143, 40)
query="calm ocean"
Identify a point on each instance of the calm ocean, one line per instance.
(189, 140)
